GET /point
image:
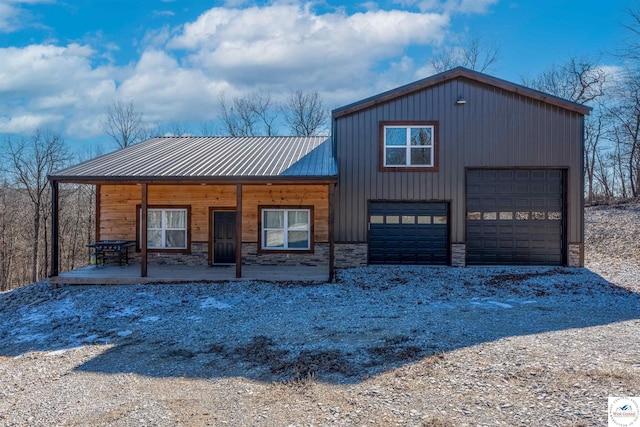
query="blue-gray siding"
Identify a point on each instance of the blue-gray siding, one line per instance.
(495, 128)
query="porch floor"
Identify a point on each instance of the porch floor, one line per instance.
(130, 274)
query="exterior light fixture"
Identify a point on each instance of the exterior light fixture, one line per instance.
(461, 101)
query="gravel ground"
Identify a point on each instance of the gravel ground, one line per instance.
(422, 346)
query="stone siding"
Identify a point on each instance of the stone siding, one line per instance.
(348, 255)
(320, 256)
(458, 254)
(199, 256)
(575, 258)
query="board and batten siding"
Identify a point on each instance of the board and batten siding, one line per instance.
(118, 206)
(495, 128)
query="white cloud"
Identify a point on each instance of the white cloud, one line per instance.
(289, 44)
(181, 72)
(163, 13)
(449, 6)
(164, 90)
(14, 16)
(45, 84)
(23, 122)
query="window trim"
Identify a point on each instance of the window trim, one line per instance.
(410, 168)
(186, 250)
(262, 208)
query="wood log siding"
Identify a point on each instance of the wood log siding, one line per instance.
(285, 195)
(118, 206)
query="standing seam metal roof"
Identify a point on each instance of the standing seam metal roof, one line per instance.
(213, 157)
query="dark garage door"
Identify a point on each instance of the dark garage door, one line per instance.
(408, 233)
(515, 217)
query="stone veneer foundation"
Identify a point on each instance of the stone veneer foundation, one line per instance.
(348, 255)
(575, 258)
(458, 254)
(199, 256)
(320, 256)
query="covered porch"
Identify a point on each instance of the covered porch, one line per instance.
(181, 205)
(130, 274)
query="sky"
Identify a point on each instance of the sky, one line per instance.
(62, 62)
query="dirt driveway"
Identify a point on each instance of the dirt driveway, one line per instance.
(383, 346)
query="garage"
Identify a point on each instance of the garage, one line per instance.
(408, 232)
(516, 217)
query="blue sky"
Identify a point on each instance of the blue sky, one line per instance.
(63, 61)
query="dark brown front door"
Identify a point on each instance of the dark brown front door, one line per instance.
(224, 237)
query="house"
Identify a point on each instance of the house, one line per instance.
(460, 168)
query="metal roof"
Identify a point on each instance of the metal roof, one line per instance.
(460, 72)
(211, 158)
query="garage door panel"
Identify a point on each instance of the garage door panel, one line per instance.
(523, 224)
(417, 234)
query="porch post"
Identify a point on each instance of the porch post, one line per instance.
(98, 189)
(331, 238)
(143, 234)
(54, 229)
(238, 231)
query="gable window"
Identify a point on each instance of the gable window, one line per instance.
(408, 145)
(167, 228)
(286, 229)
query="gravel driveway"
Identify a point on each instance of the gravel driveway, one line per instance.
(383, 346)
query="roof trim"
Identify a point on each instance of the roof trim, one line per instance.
(191, 180)
(454, 74)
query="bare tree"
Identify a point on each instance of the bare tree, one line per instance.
(305, 114)
(209, 128)
(172, 128)
(625, 133)
(124, 124)
(631, 49)
(594, 130)
(9, 234)
(472, 53)
(31, 160)
(251, 115)
(579, 80)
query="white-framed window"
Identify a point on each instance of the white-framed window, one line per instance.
(166, 228)
(286, 229)
(409, 145)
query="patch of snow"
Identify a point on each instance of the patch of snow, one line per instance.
(211, 302)
(126, 311)
(124, 333)
(500, 304)
(438, 304)
(91, 338)
(30, 338)
(150, 319)
(35, 317)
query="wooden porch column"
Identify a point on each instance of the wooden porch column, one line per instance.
(238, 231)
(54, 229)
(143, 237)
(331, 238)
(98, 189)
